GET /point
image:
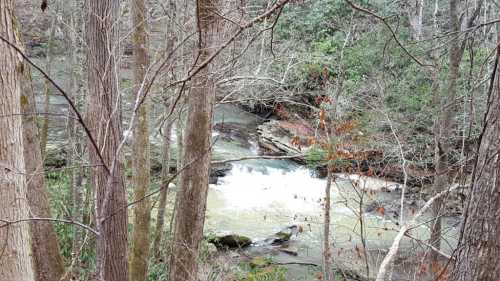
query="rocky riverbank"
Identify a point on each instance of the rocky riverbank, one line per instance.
(285, 138)
(288, 138)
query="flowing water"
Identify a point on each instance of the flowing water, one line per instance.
(259, 197)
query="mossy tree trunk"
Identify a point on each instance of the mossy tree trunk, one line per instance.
(139, 253)
(171, 40)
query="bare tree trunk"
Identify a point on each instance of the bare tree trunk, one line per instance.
(443, 127)
(139, 253)
(160, 217)
(327, 254)
(479, 247)
(179, 132)
(415, 15)
(44, 132)
(443, 130)
(104, 122)
(190, 215)
(15, 263)
(171, 39)
(75, 143)
(47, 259)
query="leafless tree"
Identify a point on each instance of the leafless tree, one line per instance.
(47, 259)
(190, 215)
(478, 249)
(15, 262)
(139, 253)
(104, 122)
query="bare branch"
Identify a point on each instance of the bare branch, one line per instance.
(384, 21)
(66, 97)
(257, 157)
(402, 232)
(7, 223)
(224, 45)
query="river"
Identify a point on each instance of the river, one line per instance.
(259, 197)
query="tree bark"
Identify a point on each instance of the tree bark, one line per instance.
(415, 15)
(15, 263)
(443, 130)
(190, 215)
(104, 122)
(47, 260)
(139, 253)
(171, 39)
(479, 247)
(75, 139)
(162, 204)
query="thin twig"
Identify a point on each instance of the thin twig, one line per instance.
(257, 157)
(280, 4)
(66, 97)
(384, 21)
(86, 227)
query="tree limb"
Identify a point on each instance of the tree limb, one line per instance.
(257, 157)
(66, 97)
(7, 223)
(402, 232)
(384, 21)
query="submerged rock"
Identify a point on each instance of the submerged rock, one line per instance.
(231, 241)
(232, 131)
(385, 209)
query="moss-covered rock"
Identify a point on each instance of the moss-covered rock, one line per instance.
(231, 241)
(283, 235)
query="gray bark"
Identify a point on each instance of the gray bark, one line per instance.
(479, 247)
(160, 218)
(104, 122)
(15, 263)
(47, 260)
(190, 215)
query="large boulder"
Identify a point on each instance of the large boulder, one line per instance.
(284, 138)
(231, 241)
